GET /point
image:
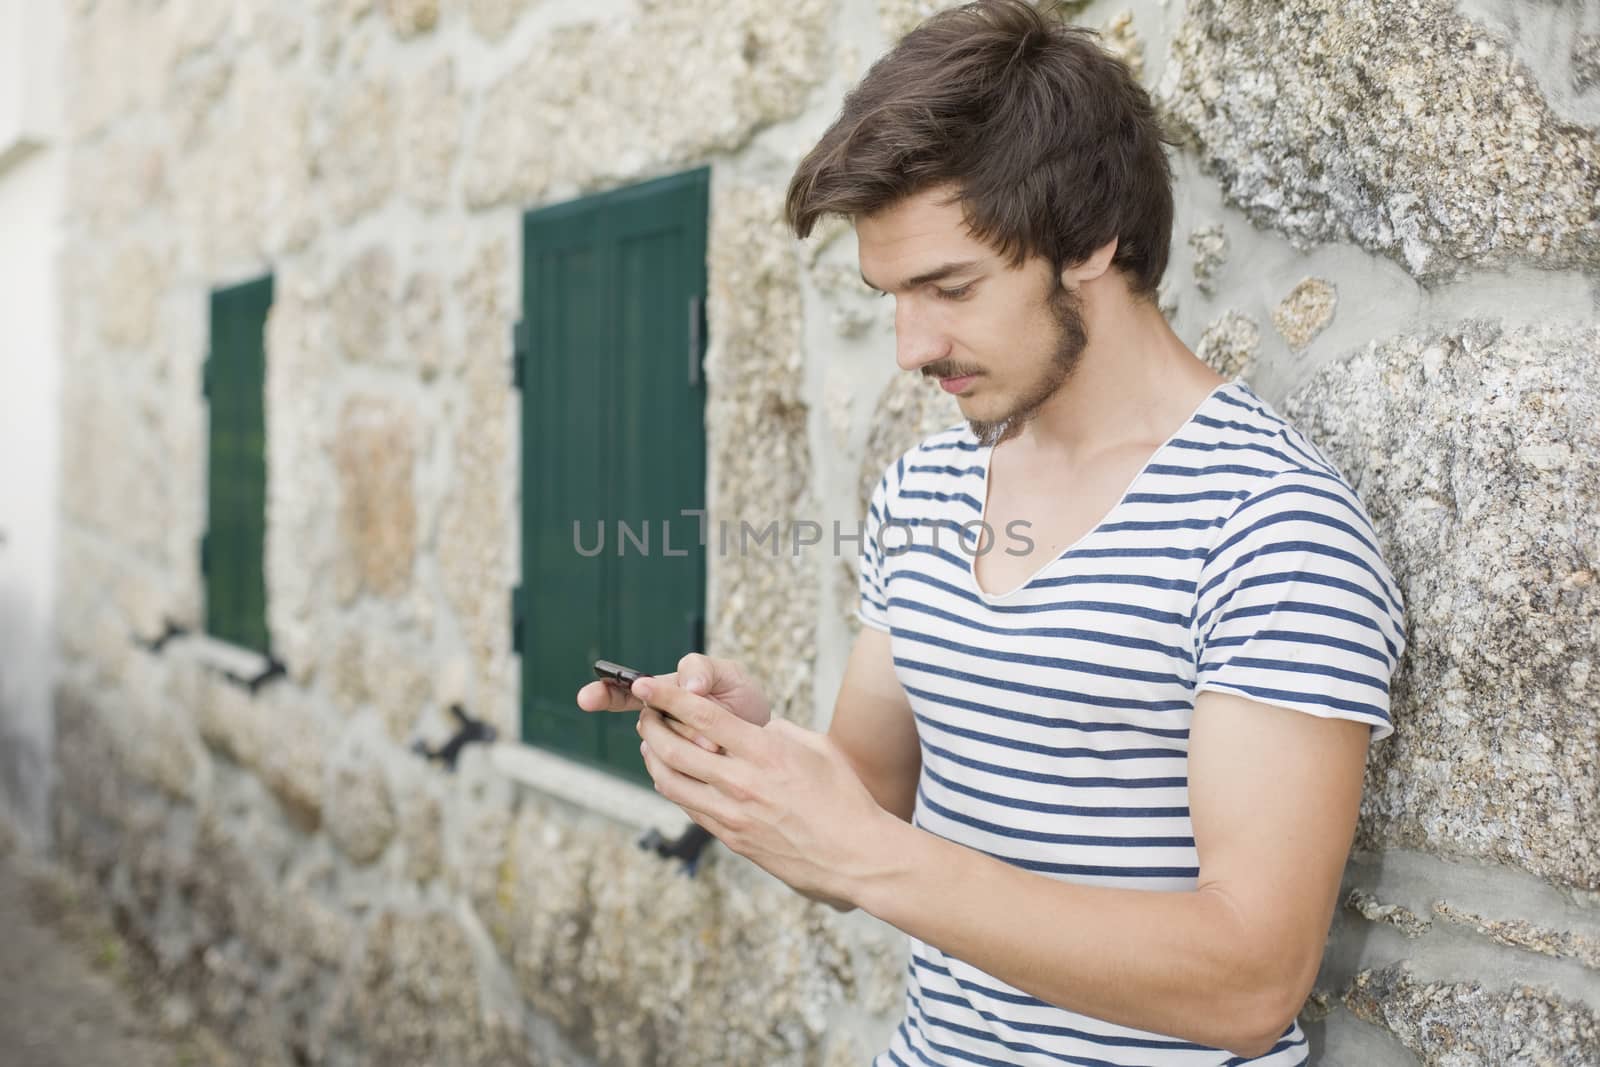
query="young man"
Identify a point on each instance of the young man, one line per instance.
(1105, 770)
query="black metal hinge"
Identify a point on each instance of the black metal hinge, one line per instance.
(519, 353)
(697, 339)
(686, 847)
(169, 630)
(469, 730)
(516, 621)
(274, 669)
(205, 376)
(205, 555)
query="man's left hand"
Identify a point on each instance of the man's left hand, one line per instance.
(784, 797)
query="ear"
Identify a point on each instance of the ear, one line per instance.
(1098, 263)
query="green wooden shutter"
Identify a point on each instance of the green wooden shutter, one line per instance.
(236, 484)
(613, 431)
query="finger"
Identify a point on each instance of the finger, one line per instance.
(603, 696)
(680, 752)
(694, 797)
(688, 732)
(708, 718)
(697, 673)
(703, 674)
(708, 824)
(609, 696)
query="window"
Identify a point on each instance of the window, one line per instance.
(236, 478)
(613, 453)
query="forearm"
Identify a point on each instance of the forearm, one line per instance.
(836, 903)
(894, 790)
(1167, 962)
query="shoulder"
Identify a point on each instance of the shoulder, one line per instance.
(1240, 427)
(1285, 472)
(950, 452)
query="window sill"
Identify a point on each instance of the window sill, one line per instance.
(584, 787)
(219, 655)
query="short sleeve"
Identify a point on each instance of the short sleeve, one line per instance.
(1296, 606)
(873, 604)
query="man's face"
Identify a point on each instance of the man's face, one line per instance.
(1002, 339)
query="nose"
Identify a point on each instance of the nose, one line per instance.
(917, 339)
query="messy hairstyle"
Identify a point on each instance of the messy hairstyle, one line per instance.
(1051, 143)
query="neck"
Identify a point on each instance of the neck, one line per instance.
(1135, 384)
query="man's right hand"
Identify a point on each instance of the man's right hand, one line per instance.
(721, 680)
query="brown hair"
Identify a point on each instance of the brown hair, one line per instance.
(1052, 143)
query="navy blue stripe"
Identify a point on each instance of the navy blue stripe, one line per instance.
(1013, 1046)
(896, 1060)
(1060, 663)
(1055, 721)
(1081, 781)
(1301, 637)
(1186, 498)
(959, 472)
(1349, 504)
(1229, 424)
(992, 1039)
(1270, 696)
(1070, 632)
(1279, 430)
(1171, 618)
(1307, 608)
(1044, 838)
(1161, 524)
(987, 992)
(1259, 409)
(1235, 1061)
(1136, 553)
(1289, 667)
(1200, 472)
(943, 498)
(1352, 509)
(1122, 703)
(1060, 751)
(1233, 446)
(1178, 585)
(1044, 808)
(1288, 577)
(1046, 1029)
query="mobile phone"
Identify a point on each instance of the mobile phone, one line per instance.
(619, 677)
(616, 674)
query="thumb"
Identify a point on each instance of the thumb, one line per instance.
(695, 672)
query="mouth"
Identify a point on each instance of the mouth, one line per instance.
(956, 385)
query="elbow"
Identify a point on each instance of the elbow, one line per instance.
(1261, 1021)
(1263, 982)
(1257, 1045)
(1277, 1005)
(1257, 1025)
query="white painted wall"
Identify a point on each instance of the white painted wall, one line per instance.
(31, 179)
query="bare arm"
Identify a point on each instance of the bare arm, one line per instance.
(873, 724)
(1274, 795)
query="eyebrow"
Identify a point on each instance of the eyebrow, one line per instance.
(937, 274)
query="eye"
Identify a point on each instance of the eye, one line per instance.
(955, 294)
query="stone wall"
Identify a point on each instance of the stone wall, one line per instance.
(1386, 221)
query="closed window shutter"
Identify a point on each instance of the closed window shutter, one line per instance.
(236, 482)
(613, 431)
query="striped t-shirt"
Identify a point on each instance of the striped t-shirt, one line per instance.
(1053, 719)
